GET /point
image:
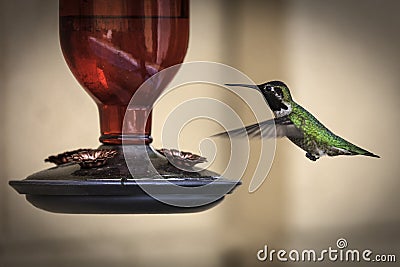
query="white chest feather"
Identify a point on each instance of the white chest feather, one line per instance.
(283, 112)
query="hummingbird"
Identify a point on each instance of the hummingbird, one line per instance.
(297, 124)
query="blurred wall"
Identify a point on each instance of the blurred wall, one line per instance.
(340, 59)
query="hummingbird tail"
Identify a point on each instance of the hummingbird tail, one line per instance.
(369, 154)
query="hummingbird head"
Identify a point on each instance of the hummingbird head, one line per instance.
(278, 97)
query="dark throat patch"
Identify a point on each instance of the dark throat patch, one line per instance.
(273, 102)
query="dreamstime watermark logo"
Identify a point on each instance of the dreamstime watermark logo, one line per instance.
(215, 110)
(340, 253)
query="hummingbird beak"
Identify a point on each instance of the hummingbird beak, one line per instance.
(252, 86)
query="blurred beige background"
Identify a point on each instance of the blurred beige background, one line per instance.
(341, 60)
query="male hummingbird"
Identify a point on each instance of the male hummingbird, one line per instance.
(297, 124)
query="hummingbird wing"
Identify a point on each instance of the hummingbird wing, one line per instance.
(284, 127)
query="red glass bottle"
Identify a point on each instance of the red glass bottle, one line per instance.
(112, 47)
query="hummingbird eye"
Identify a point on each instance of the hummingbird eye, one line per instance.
(278, 91)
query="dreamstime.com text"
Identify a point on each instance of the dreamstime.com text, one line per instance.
(338, 254)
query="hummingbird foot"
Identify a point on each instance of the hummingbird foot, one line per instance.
(311, 157)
